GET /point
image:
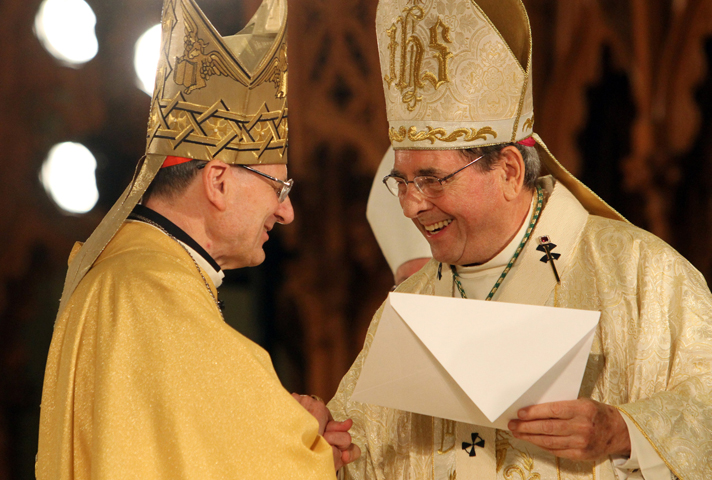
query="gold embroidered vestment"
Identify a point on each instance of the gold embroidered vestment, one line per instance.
(651, 355)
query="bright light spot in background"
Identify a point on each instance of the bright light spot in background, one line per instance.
(69, 177)
(146, 54)
(66, 29)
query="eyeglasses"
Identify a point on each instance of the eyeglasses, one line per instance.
(429, 185)
(285, 187)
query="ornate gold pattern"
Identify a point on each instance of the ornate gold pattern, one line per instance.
(397, 136)
(192, 116)
(277, 72)
(524, 466)
(523, 473)
(522, 99)
(647, 294)
(501, 446)
(443, 53)
(440, 134)
(529, 124)
(195, 67)
(642, 431)
(168, 24)
(477, 80)
(221, 129)
(411, 78)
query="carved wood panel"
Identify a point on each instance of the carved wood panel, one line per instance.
(338, 137)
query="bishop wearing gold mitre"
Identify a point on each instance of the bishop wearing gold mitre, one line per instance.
(144, 378)
(457, 77)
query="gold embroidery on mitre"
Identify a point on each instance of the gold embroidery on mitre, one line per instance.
(194, 116)
(440, 134)
(529, 124)
(410, 78)
(277, 72)
(195, 67)
(168, 23)
(397, 136)
(217, 128)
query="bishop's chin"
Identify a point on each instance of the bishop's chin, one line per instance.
(442, 255)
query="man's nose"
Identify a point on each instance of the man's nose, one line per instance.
(413, 202)
(285, 212)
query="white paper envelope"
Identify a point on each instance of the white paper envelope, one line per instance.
(474, 361)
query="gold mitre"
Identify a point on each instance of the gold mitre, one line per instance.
(451, 78)
(221, 97)
(215, 98)
(458, 74)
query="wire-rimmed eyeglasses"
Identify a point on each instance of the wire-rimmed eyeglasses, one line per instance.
(429, 185)
(285, 186)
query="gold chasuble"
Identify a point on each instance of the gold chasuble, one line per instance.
(647, 358)
(146, 381)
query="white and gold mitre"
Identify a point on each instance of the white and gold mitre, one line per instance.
(221, 97)
(456, 74)
(216, 97)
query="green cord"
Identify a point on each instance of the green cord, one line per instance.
(525, 239)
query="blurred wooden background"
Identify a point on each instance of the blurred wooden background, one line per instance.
(623, 92)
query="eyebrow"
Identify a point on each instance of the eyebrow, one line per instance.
(422, 172)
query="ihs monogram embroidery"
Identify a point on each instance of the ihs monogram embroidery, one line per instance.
(409, 78)
(477, 441)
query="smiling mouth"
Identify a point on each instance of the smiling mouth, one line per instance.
(436, 227)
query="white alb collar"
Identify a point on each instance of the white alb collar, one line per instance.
(503, 257)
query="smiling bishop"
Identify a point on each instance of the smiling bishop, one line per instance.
(457, 77)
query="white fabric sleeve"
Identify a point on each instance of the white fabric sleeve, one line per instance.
(644, 462)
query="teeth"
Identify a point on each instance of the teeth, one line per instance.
(436, 227)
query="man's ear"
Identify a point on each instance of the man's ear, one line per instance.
(512, 164)
(215, 177)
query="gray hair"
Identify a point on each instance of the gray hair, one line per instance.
(172, 181)
(491, 154)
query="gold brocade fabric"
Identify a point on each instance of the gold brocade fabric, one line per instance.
(145, 380)
(455, 74)
(651, 357)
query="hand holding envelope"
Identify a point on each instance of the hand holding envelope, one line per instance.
(474, 361)
(580, 430)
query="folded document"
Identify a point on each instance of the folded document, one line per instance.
(474, 361)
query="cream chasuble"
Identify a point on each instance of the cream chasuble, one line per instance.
(145, 380)
(651, 357)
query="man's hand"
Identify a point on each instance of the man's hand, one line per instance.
(579, 430)
(335, 433)
(316, 407)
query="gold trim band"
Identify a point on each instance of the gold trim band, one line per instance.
(440, 134)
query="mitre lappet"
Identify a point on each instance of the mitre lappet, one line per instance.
(458, 75)
(215, 97)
